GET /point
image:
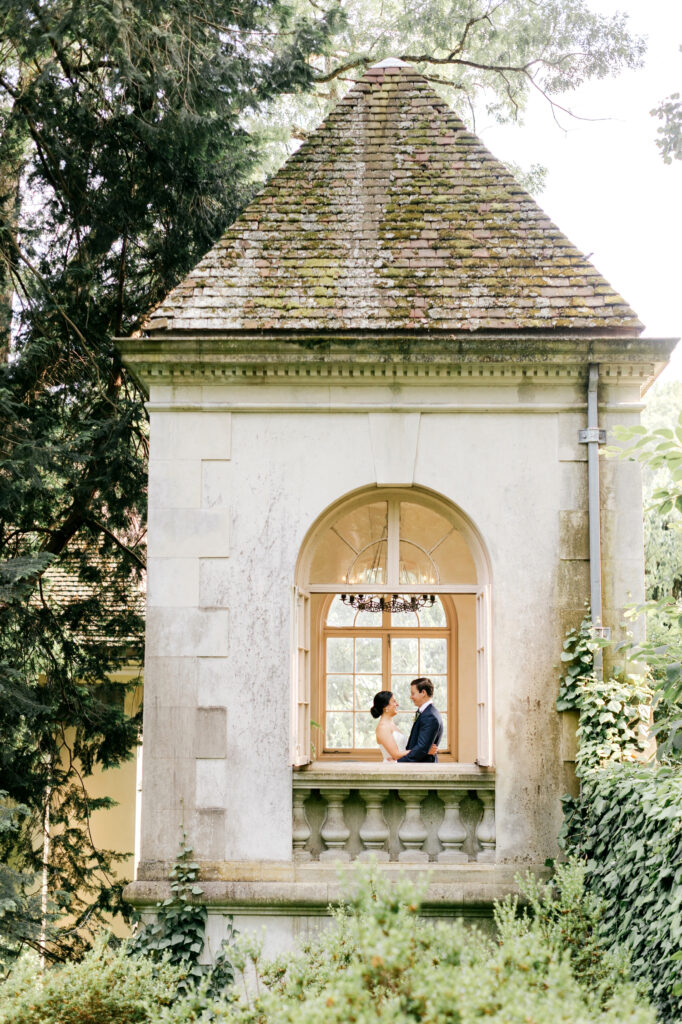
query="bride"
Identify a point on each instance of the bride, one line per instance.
(391, 741)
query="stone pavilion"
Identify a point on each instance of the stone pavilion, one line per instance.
(389, 378)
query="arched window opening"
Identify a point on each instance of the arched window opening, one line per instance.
(398, 547)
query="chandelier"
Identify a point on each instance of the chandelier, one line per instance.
(395, 603)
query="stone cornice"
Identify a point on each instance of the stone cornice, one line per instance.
(387, 357)
(269, 887)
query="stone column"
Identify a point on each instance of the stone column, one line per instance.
(452, 832)
(334, 831)
(412, 832)
(374, 830)
(301, 829)
(485, 832)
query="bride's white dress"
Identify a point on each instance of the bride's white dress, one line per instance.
(400, 742)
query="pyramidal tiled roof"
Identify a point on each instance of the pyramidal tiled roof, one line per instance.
(393, 216)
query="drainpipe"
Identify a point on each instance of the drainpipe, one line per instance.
(593, 437)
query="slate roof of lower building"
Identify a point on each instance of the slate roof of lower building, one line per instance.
(393, 216)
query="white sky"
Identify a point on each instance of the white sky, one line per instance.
(608, 188)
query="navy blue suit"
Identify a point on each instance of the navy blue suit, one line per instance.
(426, 731)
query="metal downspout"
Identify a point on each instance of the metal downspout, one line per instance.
(593, 436)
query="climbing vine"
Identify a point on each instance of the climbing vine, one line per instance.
(177, 933)
(613, 712)
(626, 825)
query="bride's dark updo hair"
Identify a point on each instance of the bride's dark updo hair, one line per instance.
(381, 700)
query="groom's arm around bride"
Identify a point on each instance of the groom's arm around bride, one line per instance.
(428, 726)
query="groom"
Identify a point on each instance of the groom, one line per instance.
(428, 725)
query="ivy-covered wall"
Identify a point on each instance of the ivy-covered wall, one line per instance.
(626, 824)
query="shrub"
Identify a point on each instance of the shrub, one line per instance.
(107, 987)
(627, 826)
(379, 962)
(383, 962)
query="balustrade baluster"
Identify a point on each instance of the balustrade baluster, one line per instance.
(485, 833)
(334, 831)
(412, 832)
(301, 829)
(374, 830)
(452, 832)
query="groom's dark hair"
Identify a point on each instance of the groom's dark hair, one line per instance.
(424, 685)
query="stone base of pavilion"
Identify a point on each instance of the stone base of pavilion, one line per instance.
(290, 902)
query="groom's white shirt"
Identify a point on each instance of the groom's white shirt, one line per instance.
(424, 706)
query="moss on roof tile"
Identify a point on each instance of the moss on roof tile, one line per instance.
(393, 215)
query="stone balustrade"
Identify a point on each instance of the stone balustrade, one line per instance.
(415, 814)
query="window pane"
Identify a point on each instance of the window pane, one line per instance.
(400, 686)
(339, 654)
(440, 692)
(340, 614)
(365, 688)
(339, 730)
(444, 742)
(416, 567)
(371, 619)
(339, 547)
(339, 693)
(369, 567)
(436, 535)
(405, 655)
(367, 654)
(433, 656)
(402, 619)
(434, 616)
(365, 732)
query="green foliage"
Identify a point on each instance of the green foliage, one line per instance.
(20, 911)
(627, 827)
(487, 59)
(383, 962)
(106, 987)
(613, 712)
(670, 131)
(657, 446)
(570, 919)
(379, 961)
(177, 932)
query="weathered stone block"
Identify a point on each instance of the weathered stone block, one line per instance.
(212, 682)
(174, 484)
(570, 449)
(573, 486)
(394, 446)
(190, 435)
(211, 732)
(211, 782)
(168, 733)
(189, 533)
(184, 632)
(573, 583)
(172, 582)
(574, 541)
(209, 836)
(215, 482)
(214, 582)
(170, 681)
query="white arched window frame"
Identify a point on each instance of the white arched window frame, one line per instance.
(302, 747)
